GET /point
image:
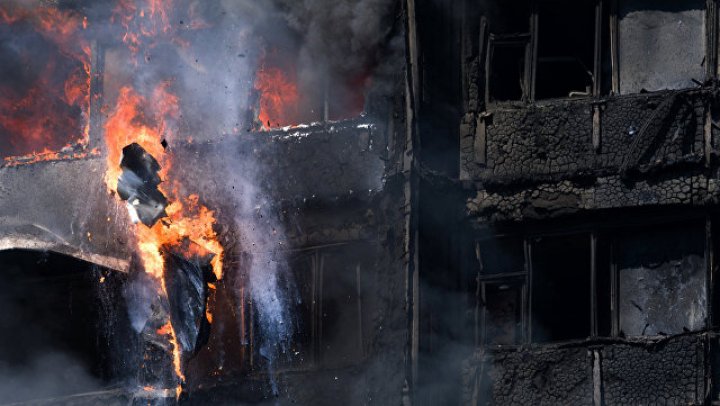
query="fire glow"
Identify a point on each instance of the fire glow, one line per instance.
(285, 101)
(278, 98)
(134, 121)
(150, 121)
(50, 109)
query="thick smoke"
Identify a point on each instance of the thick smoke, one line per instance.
(262, 261)
(341, 36)
(340, 41)
(207, 54)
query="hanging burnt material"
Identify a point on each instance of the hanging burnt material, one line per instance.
(138, 185)
(186, 282)
(148, 313)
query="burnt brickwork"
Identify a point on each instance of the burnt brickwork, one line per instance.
(600, 177)
(619, 372)
(555, 140)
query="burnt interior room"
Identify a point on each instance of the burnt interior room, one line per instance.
(386, 202)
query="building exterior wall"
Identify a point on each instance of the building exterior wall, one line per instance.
(627, 170)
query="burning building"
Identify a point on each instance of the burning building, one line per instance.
(358, 202)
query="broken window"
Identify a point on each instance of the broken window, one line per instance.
(661, 44)
(327, 292)
(502, 289)
(551, 58)
(506, 57)
(565, 49)
(560, 297)
(645, 280)
(341, 319)
(503, 311)
(661, 280)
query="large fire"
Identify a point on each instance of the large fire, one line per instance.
(142, 21)
(145, 122)
(49, 107)
(285, 101)
(148, 121)
(278, 104)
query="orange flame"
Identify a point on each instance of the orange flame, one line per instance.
(147, 21)
(44, 115)
(285, 100)
(187, 218)
(278, 98)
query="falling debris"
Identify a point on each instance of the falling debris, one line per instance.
(186, 283)
(138, 185)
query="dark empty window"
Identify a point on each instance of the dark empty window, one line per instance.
(512, 18)
(64, 327)
(503, 304)
(566, 38)
(501, 256)
(341, 307)
(506, 79)
(561, 307)
(502, 289)
(327, 292)
(301, 291)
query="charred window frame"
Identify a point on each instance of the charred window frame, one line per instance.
(509, 291)
(330, 322)
(601, 55)
(503, 291)
(580, 58)
(508, 73)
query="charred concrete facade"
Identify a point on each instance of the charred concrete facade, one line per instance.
(582, 256)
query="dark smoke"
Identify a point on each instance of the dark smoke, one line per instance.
(340, 41)
(337, 45)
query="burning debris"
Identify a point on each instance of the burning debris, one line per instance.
(138, 185)
(146, 66)
(187, 284)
